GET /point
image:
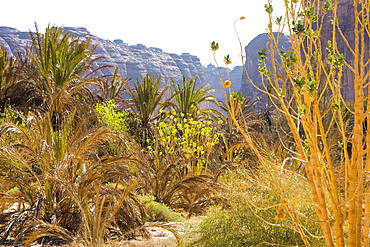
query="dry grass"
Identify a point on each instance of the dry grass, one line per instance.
(59, 181)
(159, 237)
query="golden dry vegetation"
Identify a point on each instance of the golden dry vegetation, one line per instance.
(94, 168)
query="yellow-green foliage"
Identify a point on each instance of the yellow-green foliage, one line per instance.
(195, 138)
(158, 211)
(14, 117)
(10, 116)
(110, 115)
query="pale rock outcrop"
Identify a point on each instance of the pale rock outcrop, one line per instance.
(130, 59)
(235, 76)
(252, 64)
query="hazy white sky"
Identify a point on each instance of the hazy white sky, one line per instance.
(174, 26)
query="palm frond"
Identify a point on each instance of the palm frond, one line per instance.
(188, 100)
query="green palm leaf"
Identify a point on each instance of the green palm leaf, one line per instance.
(188, 100)
(147, 98)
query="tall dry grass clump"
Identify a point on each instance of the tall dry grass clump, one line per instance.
(61, 185)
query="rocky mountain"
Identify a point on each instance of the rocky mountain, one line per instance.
(346, 19)
(251, 62)
(345, 14)
(213, 76)
(135, 59)
(130, 59)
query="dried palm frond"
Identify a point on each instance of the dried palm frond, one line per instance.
(61, 178)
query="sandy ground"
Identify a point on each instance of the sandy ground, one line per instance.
(159, 237)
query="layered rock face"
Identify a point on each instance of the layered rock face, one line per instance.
(213, 76)
(11, 38)
(130, 59)
(346, 19)
(251, 62)
(345, 14)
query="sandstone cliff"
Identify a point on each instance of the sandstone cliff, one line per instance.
(251, 62)
(213, 76)
(345, 13)
(130, 59)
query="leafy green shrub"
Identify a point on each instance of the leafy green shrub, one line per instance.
(159, 211)
(111, 116)
(256, 216)
(179, 155)
(196, 138)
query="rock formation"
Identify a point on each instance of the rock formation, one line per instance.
(135, 59)
(251, 62)
(213, 76)
(130, 59)
(10, 38)
(346, 19)
(345, 13)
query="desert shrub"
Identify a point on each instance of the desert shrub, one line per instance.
(331, 152)
(196, 138)
(177, 167)
(158, 211)
(111, 116)
(255, 216)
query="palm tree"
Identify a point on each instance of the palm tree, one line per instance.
(245, 112)
(15, 90)
(62, 65)
(243, 108)
(58, 180)
(169, 176)
(113, 89)
(8, 76)
(147, 99)
(188, 99)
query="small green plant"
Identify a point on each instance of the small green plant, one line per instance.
(11, 116)
(111, 116)
(179, 155)
(159, 211)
